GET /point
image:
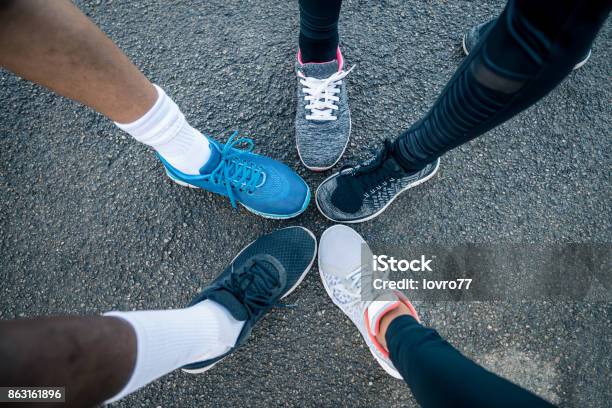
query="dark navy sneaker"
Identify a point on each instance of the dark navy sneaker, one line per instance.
(477, 33)
(358, 194)
(263, 186)
(262, 274)
(322, 117)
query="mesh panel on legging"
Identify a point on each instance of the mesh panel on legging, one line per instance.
(515, 64)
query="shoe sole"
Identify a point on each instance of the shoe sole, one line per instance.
(321, 169)
(261, 214)
(578, 65)
(382, 363)
(294, 287)
(377, 213)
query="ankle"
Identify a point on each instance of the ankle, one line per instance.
(401, 159)
(314, 51)
(165, 129)
(385, 322)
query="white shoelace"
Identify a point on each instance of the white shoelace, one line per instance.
(321, 94)
(353, 291)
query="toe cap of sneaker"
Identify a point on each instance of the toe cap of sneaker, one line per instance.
(283, 194)
(340, 250)
(295, 247)
(320, 144)
(326, 206)
(320, 161)
(323, 199)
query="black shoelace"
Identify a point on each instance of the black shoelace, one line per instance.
(256, 285)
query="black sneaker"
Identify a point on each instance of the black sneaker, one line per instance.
(358, 194)
(263, 273)
(476, 33)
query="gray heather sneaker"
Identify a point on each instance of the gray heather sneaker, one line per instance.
(322, 119)
(476, 33)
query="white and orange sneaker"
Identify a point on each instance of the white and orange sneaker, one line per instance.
(341, 271)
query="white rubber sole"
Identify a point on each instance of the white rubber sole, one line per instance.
(294, 287)
(584, 61)
(385, 366)
(465, 51)
(321, 169)
(204, 369)
(578, 65)
(377, 213)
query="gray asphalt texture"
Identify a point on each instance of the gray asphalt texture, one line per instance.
(89, 223)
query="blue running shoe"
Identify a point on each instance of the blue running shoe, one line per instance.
(263, 186)
(263, 273)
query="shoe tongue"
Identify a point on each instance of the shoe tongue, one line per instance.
(213, 160)
(376, 310)
(229, 301)
(320, 70)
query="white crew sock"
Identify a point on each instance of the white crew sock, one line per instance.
(169, 339)
(165, 129)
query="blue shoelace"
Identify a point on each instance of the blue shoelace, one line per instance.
(234, 172)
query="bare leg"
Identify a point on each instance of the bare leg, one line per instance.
(93, 357)
(55, 45)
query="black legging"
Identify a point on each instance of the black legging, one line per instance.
(532, 46)
(319, 29)
(440, 376)
(528, 51)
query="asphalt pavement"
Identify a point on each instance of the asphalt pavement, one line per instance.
(89, 223)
